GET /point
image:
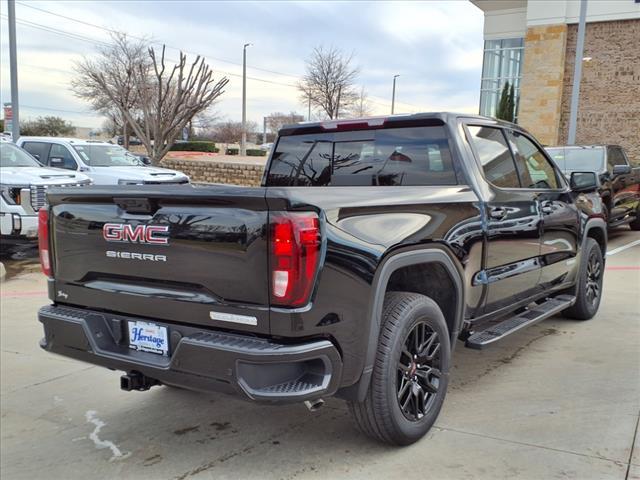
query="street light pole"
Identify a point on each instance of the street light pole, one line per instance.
(577, 75)
(243, 143)
(393, 94)
(13, 67)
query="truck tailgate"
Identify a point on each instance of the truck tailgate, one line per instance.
(188, 254)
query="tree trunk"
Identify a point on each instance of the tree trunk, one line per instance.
(125, 134)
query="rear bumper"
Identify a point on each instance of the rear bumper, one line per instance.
(199, 359)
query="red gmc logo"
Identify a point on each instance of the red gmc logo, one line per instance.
(122, 232)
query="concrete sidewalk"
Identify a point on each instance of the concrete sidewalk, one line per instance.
(558, 400)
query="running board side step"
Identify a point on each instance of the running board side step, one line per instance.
(498, 331)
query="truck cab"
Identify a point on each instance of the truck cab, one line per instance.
(23, 186)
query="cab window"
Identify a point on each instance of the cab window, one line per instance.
(535, 170)
(60, 157)
(38, 150)
(494, 155)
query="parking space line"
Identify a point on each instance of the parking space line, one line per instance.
(23, 294)
(623, 247)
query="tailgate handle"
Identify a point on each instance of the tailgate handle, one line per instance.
(137, 205)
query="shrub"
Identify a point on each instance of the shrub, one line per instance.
(195, 147)
(251, 152)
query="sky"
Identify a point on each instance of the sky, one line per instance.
(435, 47)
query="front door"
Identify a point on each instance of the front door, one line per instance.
(560, 217)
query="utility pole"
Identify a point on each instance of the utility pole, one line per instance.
(338, 103)
(243, 143)
(393, 94)
(264, 130)
(309, 112)
(13, 67)
(577, 75)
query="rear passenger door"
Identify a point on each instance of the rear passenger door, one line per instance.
(560, 216)
(511, 266)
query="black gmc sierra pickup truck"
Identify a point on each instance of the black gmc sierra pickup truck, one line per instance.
(370, 248)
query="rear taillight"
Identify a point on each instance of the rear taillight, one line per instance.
(295, 253)
(43, 241)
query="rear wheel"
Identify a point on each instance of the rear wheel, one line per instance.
(590, 281)
(411, 372)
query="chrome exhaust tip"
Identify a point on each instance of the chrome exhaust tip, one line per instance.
(314, 405)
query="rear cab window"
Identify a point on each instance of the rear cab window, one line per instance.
(380, 157)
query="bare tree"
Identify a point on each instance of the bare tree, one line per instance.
(230, 132)
(157, 100)
(277, 120)
(117, 66)
(329, 81)
(362, 106)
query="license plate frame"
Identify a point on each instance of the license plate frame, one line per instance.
(148, 337)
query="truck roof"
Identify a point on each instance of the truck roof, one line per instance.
(377, 121)
(73, 141)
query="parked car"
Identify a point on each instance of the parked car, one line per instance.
(132, 140)
(104, 163)
(371, 246)
(619, 182)
(23, 185)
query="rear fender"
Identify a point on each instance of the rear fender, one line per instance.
(401, 259)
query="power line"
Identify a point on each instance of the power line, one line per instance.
(75, 36)
(93, 25)
(33, 107)
(64, 33)
(156, 42)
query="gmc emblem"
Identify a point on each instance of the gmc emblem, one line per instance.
(122, 232)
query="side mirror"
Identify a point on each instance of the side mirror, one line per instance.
(583, 181)
(56, 162)
(146, 160)
(36, 156)
(621, 169)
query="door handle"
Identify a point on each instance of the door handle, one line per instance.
(498, 213)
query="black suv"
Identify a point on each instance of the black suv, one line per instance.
(371, 247)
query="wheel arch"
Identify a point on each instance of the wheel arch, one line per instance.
(596, 228)
(398, 260)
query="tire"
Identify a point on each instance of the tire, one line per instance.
(606, 212)
(422, 382)
(590, 277)
(635, 225)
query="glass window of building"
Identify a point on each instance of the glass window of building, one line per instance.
(502, 63)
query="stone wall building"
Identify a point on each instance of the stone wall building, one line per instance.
(531, 44)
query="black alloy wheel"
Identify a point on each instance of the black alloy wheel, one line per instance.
(419, 372)
(593, 286)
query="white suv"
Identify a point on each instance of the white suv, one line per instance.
(23, 186)
(104, 163)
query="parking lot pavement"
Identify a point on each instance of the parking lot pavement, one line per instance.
(558, 400)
